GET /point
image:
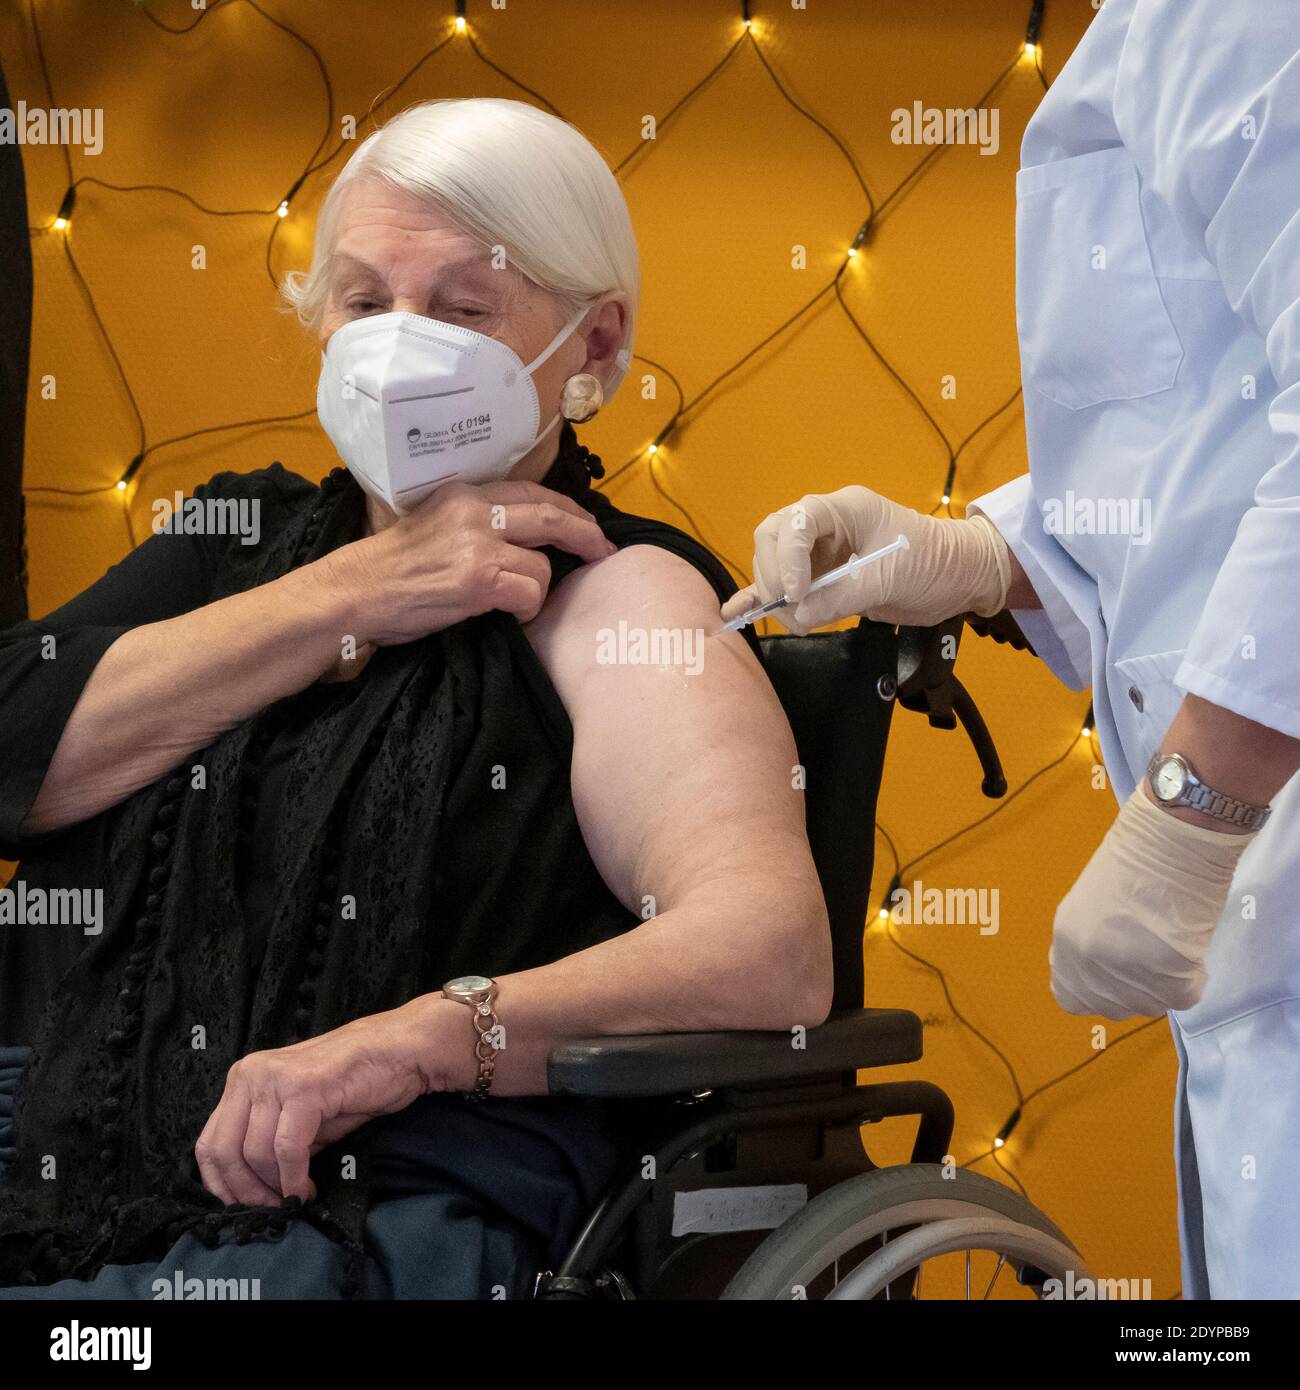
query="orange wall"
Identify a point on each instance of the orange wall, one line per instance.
(231, 111)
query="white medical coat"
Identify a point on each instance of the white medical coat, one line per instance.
(1158, 309)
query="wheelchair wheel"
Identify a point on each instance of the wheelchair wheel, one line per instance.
(870, 1237)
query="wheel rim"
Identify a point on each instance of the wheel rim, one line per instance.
(1011, 1241)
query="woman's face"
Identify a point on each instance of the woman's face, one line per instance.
(393, 254)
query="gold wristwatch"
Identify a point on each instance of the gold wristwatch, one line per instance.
(478, 992)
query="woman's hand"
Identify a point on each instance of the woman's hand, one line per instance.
(283, 1106)
(950, 567)
(466, 549)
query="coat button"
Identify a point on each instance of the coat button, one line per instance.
(1135, 695)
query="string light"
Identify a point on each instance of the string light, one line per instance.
(132, 469)
(460, 16)
(1000, 1139)
(1032, 31)
(64, 215)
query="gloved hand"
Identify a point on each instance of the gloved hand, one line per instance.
(951, 566)
(1131, 936)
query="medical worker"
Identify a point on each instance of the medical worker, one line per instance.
(1153, 552)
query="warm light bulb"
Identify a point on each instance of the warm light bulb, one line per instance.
(945, 499)
(282, 210)
(121, 487)
(884, 913)
(460, 23)
(853, 250)
(1085, 732)
(60, 223)
(998, 1142)
(654, 449)
(1031, 51)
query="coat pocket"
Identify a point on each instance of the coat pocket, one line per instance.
(1092, 322)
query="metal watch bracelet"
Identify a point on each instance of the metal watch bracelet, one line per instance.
(1199, 796)
(478, 993)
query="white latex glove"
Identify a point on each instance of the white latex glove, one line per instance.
(1131, 936)
(950, 567)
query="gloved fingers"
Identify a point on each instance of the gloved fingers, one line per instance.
(1080, 990)
(740, 603)
(769, 582)
(767, 574)
(1118, 987)
(1176, 986)
(789, 549)
(829, 605)
(816, 522)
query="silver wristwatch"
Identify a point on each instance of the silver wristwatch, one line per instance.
(1175, 784)
(478, 992)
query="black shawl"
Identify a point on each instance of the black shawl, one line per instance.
(393, 806)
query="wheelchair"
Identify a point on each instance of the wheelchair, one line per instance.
(749, 1179)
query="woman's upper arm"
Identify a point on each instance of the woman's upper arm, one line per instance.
(45, 663)
(683, 763)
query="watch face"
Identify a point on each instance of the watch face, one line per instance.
(1169, 780)
(468, 984)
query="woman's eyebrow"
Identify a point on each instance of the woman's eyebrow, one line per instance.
(475, 262)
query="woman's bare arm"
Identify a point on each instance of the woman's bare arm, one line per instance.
(166, 689)
(685, 788)
(683, 780)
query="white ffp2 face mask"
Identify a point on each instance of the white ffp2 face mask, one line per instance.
(411, 403)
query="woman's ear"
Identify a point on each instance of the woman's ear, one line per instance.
(604, 335)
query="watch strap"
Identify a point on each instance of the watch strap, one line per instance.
(1200, 796)
(485, 1021)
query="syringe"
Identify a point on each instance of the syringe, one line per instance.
(850, 566)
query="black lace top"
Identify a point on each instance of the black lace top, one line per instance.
(346, 850)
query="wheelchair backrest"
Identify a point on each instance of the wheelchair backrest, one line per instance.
(837, 691)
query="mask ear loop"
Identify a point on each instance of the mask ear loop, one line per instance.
(553, 346)
(558, 341)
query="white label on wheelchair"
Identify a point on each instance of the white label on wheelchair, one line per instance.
(716, 1209)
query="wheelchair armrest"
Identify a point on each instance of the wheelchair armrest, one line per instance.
(663, 1064)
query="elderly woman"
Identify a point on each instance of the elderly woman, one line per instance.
(323, 778)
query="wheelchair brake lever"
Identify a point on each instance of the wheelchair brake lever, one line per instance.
(927, 684)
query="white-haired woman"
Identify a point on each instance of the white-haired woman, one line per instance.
(321, 777)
